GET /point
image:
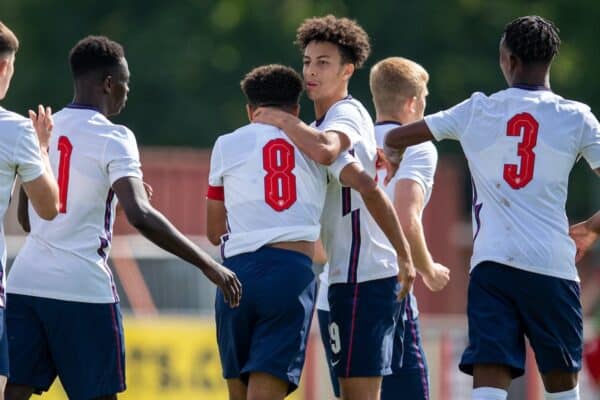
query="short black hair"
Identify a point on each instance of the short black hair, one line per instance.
(348, 35)
(95, 53)
(8, 41)
(532, 38)
(272, 85)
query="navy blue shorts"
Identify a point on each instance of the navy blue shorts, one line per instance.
(82, 343)
(410, 377)
(363, 321)
(506, 304)
(3, 344)
(269, 330)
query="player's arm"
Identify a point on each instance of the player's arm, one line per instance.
(216, 220)
(23, 211)
(382, 211)
(586, 233)
(154, 226)
(409, 201)
(321, 147)
(398, 139)
(43, 190)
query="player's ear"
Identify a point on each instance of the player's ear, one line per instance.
(348, 70)
(3, 66)
(107, 84)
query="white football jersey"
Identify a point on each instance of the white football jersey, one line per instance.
(521, 145)
(418, 164)
(66, 259)
(272, 191)
(356, 248)
(19, 155)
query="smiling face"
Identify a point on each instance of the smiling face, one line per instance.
(325, 74)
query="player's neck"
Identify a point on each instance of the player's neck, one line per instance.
(392, 117)
(90, 99)
(534, 77)
(323, 105)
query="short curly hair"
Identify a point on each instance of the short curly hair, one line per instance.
(272, 85)
(348, 35)
(532, 38)
(95, 53)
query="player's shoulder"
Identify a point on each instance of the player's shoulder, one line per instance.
(11, 120)
(349, 105)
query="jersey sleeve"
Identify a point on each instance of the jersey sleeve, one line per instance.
(122, 157)
(590, 140)
(345, 158)
(344, 118)
(215, 176)
(419, 164)
(27, 156)
(453, 122)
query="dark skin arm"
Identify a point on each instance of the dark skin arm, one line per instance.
(156, 228)
(398, 139)
(23, 211)
(133, 198)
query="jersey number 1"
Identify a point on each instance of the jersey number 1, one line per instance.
(280, 183)
(65, 148)
(518, 176)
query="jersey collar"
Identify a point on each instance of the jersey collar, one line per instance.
(526, 86)
(82, 107)
(388, 122)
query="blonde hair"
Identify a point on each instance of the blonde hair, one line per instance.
(8, 41)
(395, 79)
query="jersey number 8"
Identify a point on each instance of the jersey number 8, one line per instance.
(280, 183)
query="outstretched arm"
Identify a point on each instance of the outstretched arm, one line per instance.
(321, 147)
(398, 139)
(155, 227)
(382, 211)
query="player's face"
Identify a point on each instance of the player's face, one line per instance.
(7, 71)
(325, 75)
(119, 88)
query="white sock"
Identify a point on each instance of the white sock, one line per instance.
(489, 393)
(572, 394)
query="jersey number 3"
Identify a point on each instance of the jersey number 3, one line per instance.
(524, 125)
(280, 183)
(65, 148)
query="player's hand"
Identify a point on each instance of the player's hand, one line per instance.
(437, 278)
(584, 238)
(392, 159)
(43, 124)
(270, 116)
(227, 281)
(406, 277)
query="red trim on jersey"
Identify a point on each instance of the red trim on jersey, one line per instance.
(215, 193)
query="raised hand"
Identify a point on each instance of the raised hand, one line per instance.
(43, 124)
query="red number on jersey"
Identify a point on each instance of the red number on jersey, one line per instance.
(518, 176)
(65, 148)
(280, 184)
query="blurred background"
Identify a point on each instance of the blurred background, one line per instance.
(187, 58)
